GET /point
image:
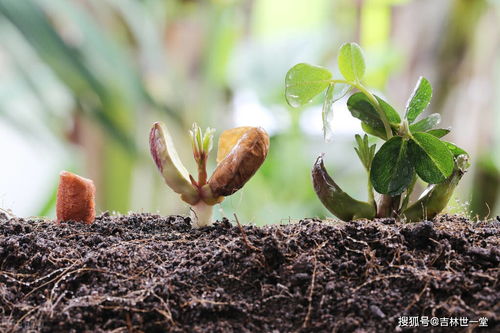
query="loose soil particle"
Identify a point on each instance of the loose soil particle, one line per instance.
(149, 273)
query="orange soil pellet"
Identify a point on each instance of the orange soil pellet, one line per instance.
(75, 198)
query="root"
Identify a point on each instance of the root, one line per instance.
(310, 296)
(244, 235)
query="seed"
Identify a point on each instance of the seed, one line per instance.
(241, 163)
(75, 199)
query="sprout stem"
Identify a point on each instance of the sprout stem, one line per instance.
(409, 191)
(202, 171)
(201, 214)
(371, 197)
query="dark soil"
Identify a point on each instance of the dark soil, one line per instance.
(154, 274)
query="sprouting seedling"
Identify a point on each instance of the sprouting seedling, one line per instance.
(241, 151)
(412, 149)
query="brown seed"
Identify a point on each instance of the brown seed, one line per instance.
(75, 198)
(241, 163)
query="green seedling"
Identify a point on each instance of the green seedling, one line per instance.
(412, 147)
(241, 151)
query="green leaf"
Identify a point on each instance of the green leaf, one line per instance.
(364, 150)
(391, 170)
(303, 82)
(391, 114)
(439, 132)
(455, 150)
(378, 132)
(333, 94)
(419, 100)
(351, 62)
(360, 107)
(426, 124)
(432, 159)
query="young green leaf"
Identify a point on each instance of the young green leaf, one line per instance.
(201, 142)
(432, 159)
(378, 132)
(351, 62)
(391, 170)
(419, 100)
(439, 132)
(333, 94)
(391, 114)
(426, 124)
(360, 107)
(303, 82)
(364, 150)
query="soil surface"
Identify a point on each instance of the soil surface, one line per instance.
(149, 273)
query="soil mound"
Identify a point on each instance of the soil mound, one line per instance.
(150, 273)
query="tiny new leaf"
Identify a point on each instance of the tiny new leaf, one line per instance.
(351, 62)
(364, 150)
(303, 82)
(419, 100)
(379, 132)
(432, 159)
(391, 170)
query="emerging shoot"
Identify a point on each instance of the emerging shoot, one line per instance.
(241, 152)
(412, 149)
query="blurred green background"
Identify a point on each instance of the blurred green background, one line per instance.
(81, 81)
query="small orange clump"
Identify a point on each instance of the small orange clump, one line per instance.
(75, 198)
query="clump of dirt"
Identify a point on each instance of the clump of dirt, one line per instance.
(149, 273)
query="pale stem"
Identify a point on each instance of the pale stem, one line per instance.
(201, 214)
(409, 191)
(371, 197)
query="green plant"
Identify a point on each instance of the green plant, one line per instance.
(241, 152)
(411, 148)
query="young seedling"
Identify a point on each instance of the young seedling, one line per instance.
(411, 149)
(241, 152)
(75, 199)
